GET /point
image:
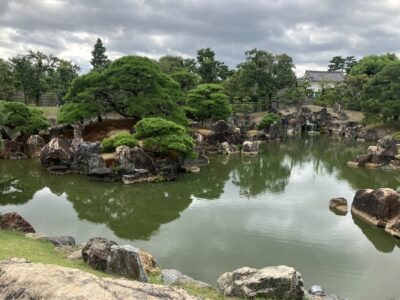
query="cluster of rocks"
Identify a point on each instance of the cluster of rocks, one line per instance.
(358, 132)
(379, 207)
(384, 154)
(22, 147)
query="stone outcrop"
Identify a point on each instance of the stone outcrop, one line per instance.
(388, 145)
(20, 279)
(275, 130)
(34, 146)
(393, 228)
(250, 148)
(171, 276)
(13, 221)
(56, 153)
(149, 263)
(378, 207)
(96, 252)
(86, 157)
(339, 205)
(278, 282)
(128, 160)
(226, 148)
(222, 132)
(125, 261)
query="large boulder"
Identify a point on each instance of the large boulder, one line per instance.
(278, 282)
(128, 160)
(222, 132)
(167, 168)
(56, 153)
(250, 148)
(378, 207)
(13, 221)
(96, 252)
(388, 145)
(226, 148)
(125, 261)
(86, 157)
(20, 279)
(34, 145)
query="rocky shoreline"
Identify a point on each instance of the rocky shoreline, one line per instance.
(135, 266)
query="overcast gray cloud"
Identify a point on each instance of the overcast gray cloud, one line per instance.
(311, 31)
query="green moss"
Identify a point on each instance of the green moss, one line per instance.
(109, 145)
(268, 120)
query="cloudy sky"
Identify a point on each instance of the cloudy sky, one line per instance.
(311, 31)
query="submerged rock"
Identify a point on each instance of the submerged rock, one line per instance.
(22, 280)
(13, 221)
(278, 282)
(338, 204)
(125, 261)
(378, 207)
(171, 276)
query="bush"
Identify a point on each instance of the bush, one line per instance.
(109, 145)
(163, 136)
(21, 118)
(268, 120)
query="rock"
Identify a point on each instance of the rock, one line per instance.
(171, 276)
(167, 168)
(226, 148)
(389, 145)
(22, 280)
(149, 263)
(65, 131)
(190, 169)
(338, 204)
(76, 255)
(393, 228)
(368, 134)
(56, 153)
(102, 174)
(316, 290)
(59, 241)
(13, 221)
(128, 160)
(275, 130)
(378, 207)
(141, 175)
(222, 132)
(125, 261)
(337, 107)
(200, 161)
(86, 157)
(96, 251)
(250, 148)
(34, 145)
(278, 282)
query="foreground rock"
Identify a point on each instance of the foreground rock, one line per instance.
(379, 207)
(56, 153)
(23, 280)
(279, 282)
(171, 276)
(13, 221)
(339, 205)
(96, 251)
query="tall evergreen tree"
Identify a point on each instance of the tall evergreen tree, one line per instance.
(99, 59)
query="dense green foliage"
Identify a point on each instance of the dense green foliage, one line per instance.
(132, 86)
(372, 64)
(343, 64)
(260, 77)
(162, 136)
(99, 59)
(21, 118)
(109, 145)
(210, 69)
(268, 120)
(208, 101)
(7, 80)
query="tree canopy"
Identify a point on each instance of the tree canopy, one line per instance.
(99, 59)
(343, 64)
(7, 81)
(372, 64)
(209, 101)
(210, 69)
(131, 86)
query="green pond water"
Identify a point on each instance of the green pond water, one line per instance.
(240, 211)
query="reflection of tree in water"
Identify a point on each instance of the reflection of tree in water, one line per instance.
(265, 172)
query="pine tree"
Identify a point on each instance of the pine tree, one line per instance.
(99, 59)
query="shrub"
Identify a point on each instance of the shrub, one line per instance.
(109, 145)
(163, 136)
(21, 118)
(268, 120)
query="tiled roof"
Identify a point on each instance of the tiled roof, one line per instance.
(330, 76)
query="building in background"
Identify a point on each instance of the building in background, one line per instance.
(323, 79)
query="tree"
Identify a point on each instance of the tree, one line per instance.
(382, 93)
(162, 136)
(343, 64)
(372, 64)
(208, 101)
(99, 59)
(186, 79)
(298, 94)
(268, 120)
(22, 119)
(63, 77)
(170, 64)
(34, 73)
(211, 70)
(131, 86)
(351, 91)
(7, 81)
(262, 75)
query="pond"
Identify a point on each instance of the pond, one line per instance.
(240, 211)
